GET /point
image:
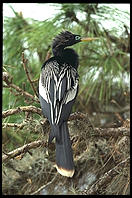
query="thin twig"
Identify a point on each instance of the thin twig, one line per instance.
(24, 61)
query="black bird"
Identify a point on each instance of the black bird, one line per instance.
(58, 88)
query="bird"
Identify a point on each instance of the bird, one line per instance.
(58, 89)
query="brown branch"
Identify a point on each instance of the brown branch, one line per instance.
(23, 149)
(77, 115)
(20, 126)
(18, 89)
(106, 132)
(32, 109)
(24, 61)
(113, 132)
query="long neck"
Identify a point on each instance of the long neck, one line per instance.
(58, 50)
(67, 55)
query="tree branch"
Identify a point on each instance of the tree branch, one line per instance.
(121, 43)
(20, 126)
(18, 89)
(113, 132)
(24, 61)
(32, 109)
(23, 149)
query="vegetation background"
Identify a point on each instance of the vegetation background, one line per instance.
(104, 90)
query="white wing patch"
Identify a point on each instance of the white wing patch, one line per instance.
(43, 90)
(52, 71)
(72, 93)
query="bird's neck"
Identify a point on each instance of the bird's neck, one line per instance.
(58, 50)
(66, 55)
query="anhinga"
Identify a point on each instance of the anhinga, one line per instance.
(58, 88)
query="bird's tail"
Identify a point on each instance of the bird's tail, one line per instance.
(64, 156)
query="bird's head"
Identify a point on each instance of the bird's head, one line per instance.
(67, 38)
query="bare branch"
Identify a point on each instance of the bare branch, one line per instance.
(23, 149)
(32, 109)
(20, 126)
(24, 61)
(18, 89)
(113, 132)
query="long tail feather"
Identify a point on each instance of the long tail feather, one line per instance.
(64, 156)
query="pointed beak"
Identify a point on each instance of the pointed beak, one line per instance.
(88, 39)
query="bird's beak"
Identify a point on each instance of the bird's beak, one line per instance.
(89, 39)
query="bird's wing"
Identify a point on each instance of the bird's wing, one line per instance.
(58, 89)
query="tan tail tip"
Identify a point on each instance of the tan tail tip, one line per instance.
(64, 172)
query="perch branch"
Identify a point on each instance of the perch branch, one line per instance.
(107, 132)
(32, 109)
(23, 149)
(24, 61)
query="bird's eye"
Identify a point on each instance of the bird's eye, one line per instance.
(77, 38)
